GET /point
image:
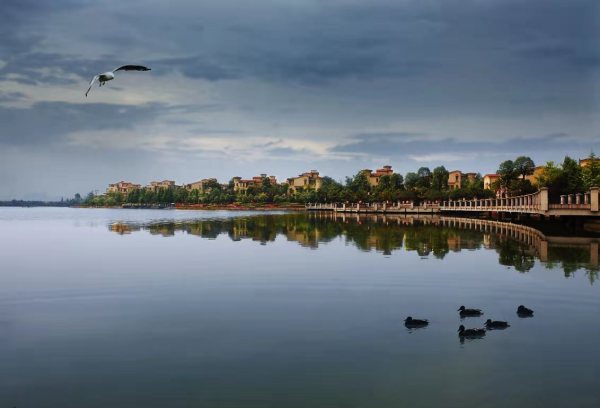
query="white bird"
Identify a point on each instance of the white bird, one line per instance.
(104, 77)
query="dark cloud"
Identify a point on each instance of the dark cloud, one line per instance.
(47, 123)
(19, 18)
(447, 70)
(197, 67)
(11, 96)
(338, 40)
(406, 145)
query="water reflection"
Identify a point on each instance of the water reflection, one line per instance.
(517, 245)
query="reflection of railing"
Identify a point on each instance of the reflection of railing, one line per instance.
(398, 207)
(582, 204)
(522, 233)
(388, 232)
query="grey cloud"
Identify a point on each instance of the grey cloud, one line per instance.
(11, 96)
(444, 69)
(16, 15)
(340, 40)
(382, 145)
(49, 122)
(197, 67)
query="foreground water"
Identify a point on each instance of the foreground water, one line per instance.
(151, 308)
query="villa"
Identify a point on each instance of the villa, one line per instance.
(123, 187)
(305, 181)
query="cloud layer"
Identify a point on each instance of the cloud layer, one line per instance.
(245, 87)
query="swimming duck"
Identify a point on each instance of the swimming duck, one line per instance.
(496, 324)
(410, 322)
(469, 312)
(462, 332)
(523, 311)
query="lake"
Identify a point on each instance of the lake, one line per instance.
(166, 308)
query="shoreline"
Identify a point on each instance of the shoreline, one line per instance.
(206, 207)
(239, 207)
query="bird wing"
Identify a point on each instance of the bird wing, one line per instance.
(132, 68)
(92, 83)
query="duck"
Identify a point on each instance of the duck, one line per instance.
(469, 312)
(462, 332)
(523, 311)
(496, 324)
(410, 322)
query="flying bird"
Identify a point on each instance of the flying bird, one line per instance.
(104, 77)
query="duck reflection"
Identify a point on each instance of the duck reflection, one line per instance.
(518, 246)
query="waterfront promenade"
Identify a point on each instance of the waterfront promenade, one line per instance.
(572, 205)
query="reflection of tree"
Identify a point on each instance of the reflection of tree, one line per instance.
(384, 234)
(515, 254)
(429, 239)
(571, 259)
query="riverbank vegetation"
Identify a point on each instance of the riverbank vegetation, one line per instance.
(513, 177)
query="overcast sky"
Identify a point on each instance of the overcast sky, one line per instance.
(284, 86)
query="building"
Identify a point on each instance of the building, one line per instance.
(200, 185)
(123, 187)
(586, 162)
(374, 177)
(488, 179)
(533, 177)
(305, 181)
(157, 185)
(457, 179)
(241, 186)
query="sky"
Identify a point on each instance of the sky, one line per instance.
(244, 87)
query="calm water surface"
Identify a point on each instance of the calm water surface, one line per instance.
(152, 308)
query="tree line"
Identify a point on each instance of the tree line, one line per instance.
(421, 185)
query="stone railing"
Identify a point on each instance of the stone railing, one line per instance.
(529, 203)
(538, 202)
(535, 202)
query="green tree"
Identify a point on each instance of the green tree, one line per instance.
(507, 173)
(591, 173)
(358, 186)
(411, 180)
(439, 179)
(524, 166)
(424, 177)
(572, 177)
(397, 181)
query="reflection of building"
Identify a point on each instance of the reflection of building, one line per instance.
(457, 179)
(454, 243)
(374, 177)
(200, 185)
(305, 181)
(241, 186)
(121, 228)
(517, 245)
(165, 230)
(123, 187)
(487, 241)
(157, 185)
(306, 238)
